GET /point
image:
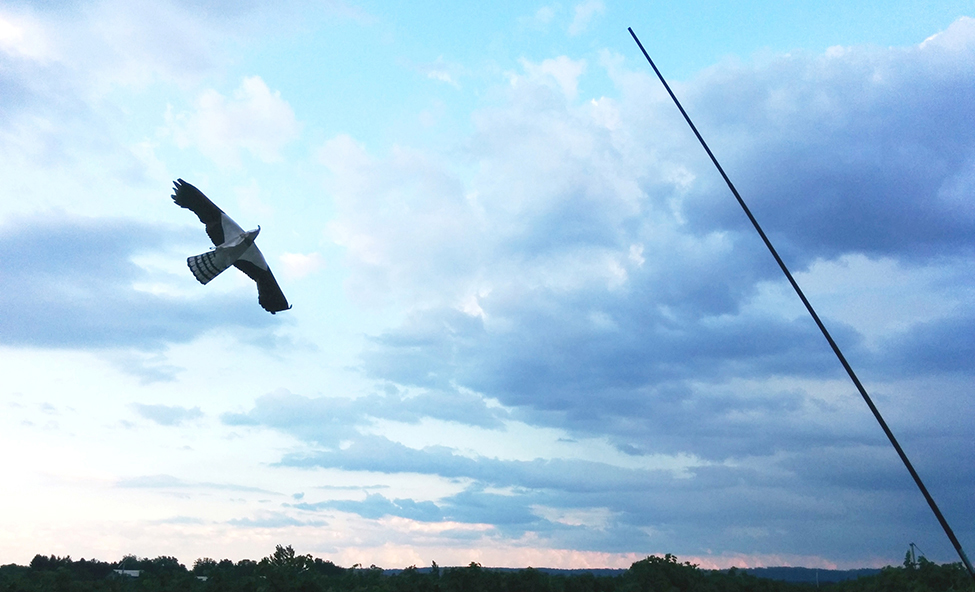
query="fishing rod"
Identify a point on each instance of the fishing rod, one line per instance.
(815, 317)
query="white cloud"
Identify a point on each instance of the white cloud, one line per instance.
(23, 36)
(387, 209)
(564, 71)
(597, 518)
(583, 14)
(299, 265)
(957, 37)
(443, 71)
(544, 15)
(108, 43)
(255, 119)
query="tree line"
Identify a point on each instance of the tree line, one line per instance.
(286, 571)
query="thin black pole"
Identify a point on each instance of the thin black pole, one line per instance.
(819, 323)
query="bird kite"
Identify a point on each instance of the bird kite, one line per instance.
(232, 246)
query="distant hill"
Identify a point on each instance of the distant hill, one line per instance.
(599, 572)
(796, 575)
(806, 575)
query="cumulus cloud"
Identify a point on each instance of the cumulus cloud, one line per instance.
(878, 185)
(592, 273)
(255, 119)
(603, 264)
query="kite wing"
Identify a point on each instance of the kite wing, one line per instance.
(269, 294)
(220, 227)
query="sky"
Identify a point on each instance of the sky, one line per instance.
(531, 325)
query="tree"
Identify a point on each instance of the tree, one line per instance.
(286, 570)
(204, 566)
(42, 563)
(661, 574)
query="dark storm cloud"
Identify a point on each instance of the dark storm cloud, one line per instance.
(68, 283)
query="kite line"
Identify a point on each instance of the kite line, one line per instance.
(819, 323)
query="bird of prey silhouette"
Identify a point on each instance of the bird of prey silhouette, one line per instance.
(232, 246)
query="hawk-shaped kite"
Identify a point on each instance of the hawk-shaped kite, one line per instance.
(232, 246)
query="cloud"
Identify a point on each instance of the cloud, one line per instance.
(274, 520)
(544, 15)
(377, 506)
(944, 346)
(583, 14)
(167, 415)
(331, 420)
(413, 184)
(299, 265)
(528, 495)
(22, 36)
(590, 272)
(255, 119)
(379, 454)
(70, 283)
(171, 482)
(956, 38)
(443, 71)
(564, 71)
(108, 44)
(531, 283)
(858, 182)
(790, 506)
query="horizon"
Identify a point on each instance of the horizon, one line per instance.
(529, 324)
(189, 565)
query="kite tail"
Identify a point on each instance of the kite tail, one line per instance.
(207, 266)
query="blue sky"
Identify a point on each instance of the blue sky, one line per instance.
(530, 326)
